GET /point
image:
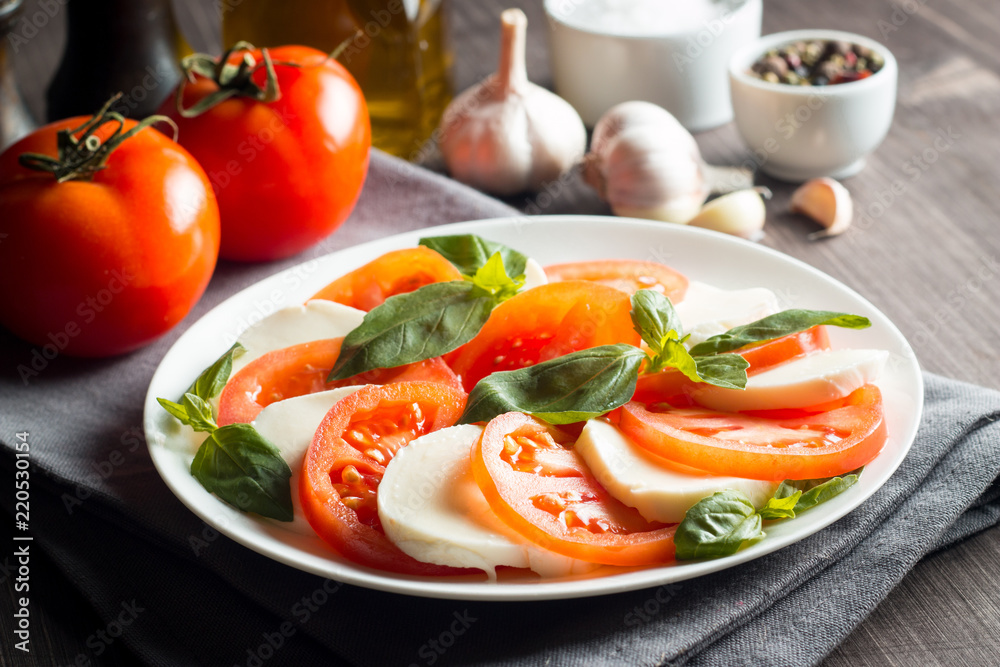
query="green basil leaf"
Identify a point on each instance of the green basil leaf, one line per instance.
(654, 318)
(723, 370)
(469, 252)
(816, 491)
(244, 469)
(775, 326)
(211, 381)
(411, 327)
(199, 413)
(673, 354)
(717, 526)
(174, 409)
(780, 507)
(492, 279)
(564, 390)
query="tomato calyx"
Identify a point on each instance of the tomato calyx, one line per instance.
(81, 153)
(232, 79)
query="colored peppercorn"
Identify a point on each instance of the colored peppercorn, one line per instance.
(817, 63)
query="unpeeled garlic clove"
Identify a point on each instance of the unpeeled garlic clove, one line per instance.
(739, 213)
(645, 164)
(507, 135)
(827, 202)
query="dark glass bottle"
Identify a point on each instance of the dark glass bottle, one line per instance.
(127, 46)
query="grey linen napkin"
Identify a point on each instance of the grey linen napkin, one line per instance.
(104, 523)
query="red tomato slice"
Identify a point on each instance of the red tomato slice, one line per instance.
(538, 485)
(544, 323)
(347, 458)
(393, 273)
(806, 447)
(674, 387)
(302, 369)
(628, 275)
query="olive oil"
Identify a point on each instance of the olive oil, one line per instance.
(394, 48)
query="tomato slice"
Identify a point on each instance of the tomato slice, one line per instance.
(805, 447)
(538, 485)
(628, 275)
(346, 461)
(302, 369)
(543, 323)
(674, 387)
(393, 273)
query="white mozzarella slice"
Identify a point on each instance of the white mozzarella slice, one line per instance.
(290, 425)
(659, 489)
(316, 320)
(818, 377)
(431, 507)
(534, 275)
(707, 311)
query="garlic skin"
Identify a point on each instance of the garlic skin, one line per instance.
(827, 202)
(739, 213)
(507, 135)
(645, 164)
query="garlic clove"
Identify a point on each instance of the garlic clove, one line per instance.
(507, 135)
(739, 213)
(637, 113)
(827, 202)
(644, 176)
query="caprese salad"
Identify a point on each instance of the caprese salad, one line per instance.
(456, 408)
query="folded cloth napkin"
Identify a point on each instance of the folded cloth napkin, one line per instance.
(103, 520)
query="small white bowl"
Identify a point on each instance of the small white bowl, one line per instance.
(683, 71)
(801, 132)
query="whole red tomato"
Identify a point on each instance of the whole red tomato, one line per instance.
(286, 172)
(107, 262)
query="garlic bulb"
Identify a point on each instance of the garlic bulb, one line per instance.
(645, 164)
(739, 213)
(827, 202)
(506, 135)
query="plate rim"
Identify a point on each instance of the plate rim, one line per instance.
(616, 581)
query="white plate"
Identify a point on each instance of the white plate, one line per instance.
(707, 256)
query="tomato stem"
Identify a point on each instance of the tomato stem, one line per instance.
(232, 79)
(80, 157)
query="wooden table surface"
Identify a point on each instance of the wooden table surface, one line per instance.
(924, 249)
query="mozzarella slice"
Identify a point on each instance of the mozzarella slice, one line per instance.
(707, 311)
(316, 320)
(818, 377)
(534, 275)
(290, 425)
(431, 507)
(659, 489)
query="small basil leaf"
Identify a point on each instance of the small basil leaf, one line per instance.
(723, 370)
(491, 279)
(199, 413)
(564, 390)
(174, 409)
(780, 507)
(816, 491)
(673, 354)
(654, 318)
(469, 252)
(211, 381)
(718, 526)
(241, 467)
(411, 327)
(775, 326)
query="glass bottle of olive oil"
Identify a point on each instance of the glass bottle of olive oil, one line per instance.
(396, 51)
